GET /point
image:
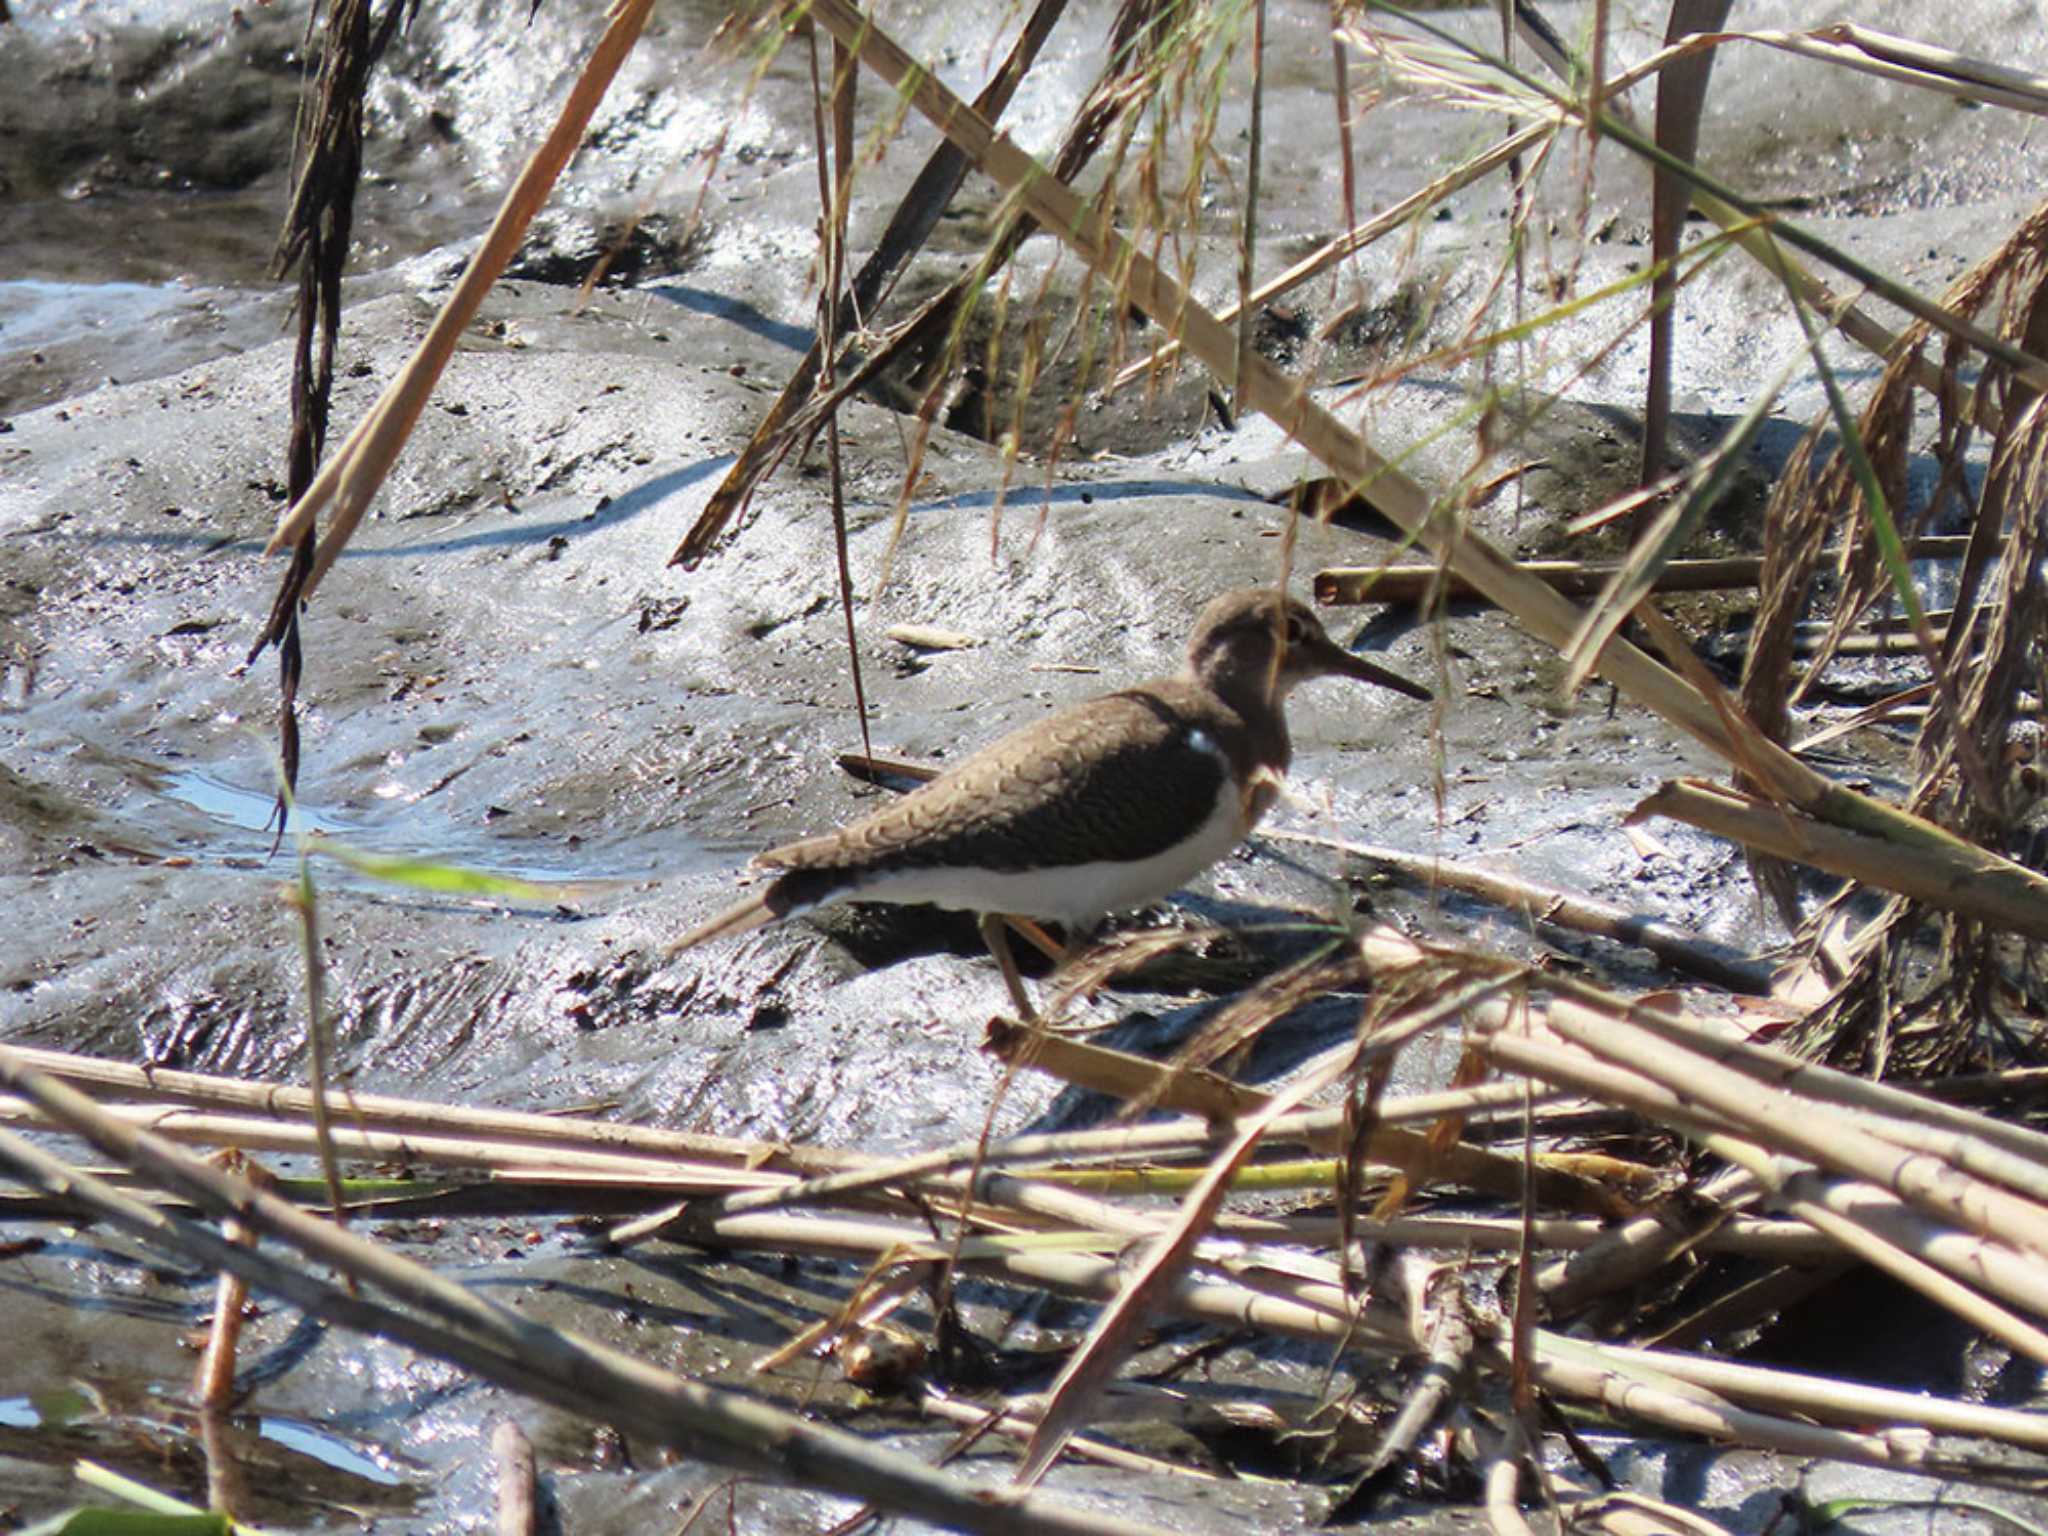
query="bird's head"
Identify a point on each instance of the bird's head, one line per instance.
(1262, 643)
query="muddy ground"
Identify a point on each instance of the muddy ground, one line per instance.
(504, 673)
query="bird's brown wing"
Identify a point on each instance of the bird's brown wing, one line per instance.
(1051, 794)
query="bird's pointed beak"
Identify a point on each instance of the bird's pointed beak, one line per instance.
(1328, 657)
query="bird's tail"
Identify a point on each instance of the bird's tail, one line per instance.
(741, 917)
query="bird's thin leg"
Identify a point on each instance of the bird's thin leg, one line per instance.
(1037, 938)
(997, 939)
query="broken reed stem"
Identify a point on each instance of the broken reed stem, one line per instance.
(1622, 1256)
(1437, 1303)
(227, 1486)
(1934, 1260)
(1930, 866)
(1503, 1483)
(1677, 948)
(1018, 1426)
(1821, 1397)
(1342, 585)
(1041, 1190)
(1163, 1262)
(1849, 46)
(567, 1151)
(1678, 1405)
(1791, 1125)
(213, 1383)
(2013, 1155)
(518, 1480)
(349, 481)
(304, 901)
(1332, 1313)
(384, 1112)
(1779, 1241)
(1140, 1080)
(251, 1134)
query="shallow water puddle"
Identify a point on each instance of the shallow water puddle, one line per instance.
(250, 811)
(324, 1446)
(246, 811)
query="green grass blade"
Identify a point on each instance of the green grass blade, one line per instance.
(434, 875)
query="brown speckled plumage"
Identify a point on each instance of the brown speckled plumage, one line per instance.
(1120, 779)
(1117, 777)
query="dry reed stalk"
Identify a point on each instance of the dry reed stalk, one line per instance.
(1230, 1030)
(1789, 1124)
(1417, 584)
(1886, 421)
(213, 1381)
(835, 189)
(302, 901)
(1978, 1144)
(1827, 1397)
(1871, 52)
(387, 1113)
(1621, 1513)
(1502, 1482)
(351, 479)
(1139, 1080)
(1122, 1075)
(1675, 1074)
(1282, 1300)
(251, 1134)
(227, 1485)
(1092, 1365)
(1932, 1258)
(1931, 870)
(518, 1512)
(1677, 948)
(1636, 1383)
(1898, 705)
(1018, 1426)
(1277, 1303)
(1779, 1241)
(1624, 1255)
(1562, 1369)
(1286, 1303)
(1437, 1306)
(1047, 1192)
(879, 1294)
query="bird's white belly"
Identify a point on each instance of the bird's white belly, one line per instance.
(1069, 893)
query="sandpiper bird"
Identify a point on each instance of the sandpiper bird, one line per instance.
(1106, 805)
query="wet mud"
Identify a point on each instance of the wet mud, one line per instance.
(503, 673)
